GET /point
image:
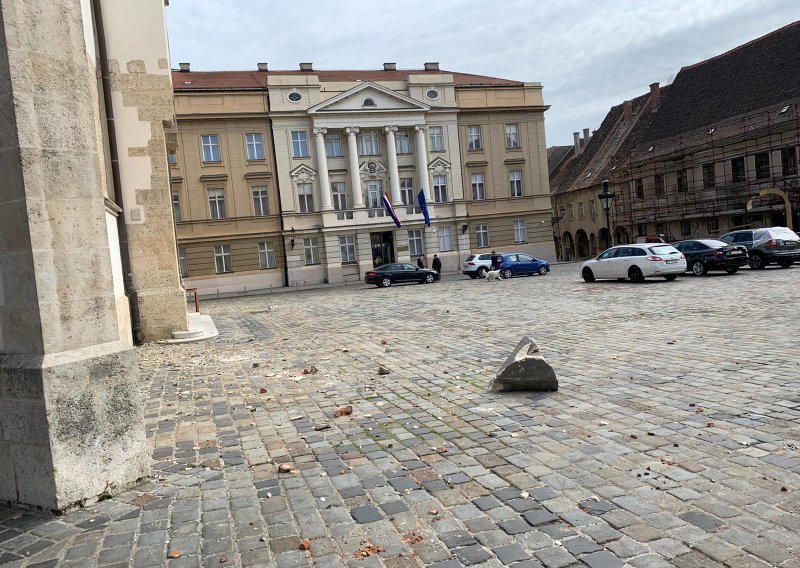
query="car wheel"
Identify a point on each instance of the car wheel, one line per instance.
(757, 261)
(542, 270)
(482, 272)
(588, 275)
(786, 263)
(473, 276)
(732, 270)
(670, 277)
(507, 273)
(699, 268)
(635, 274)
(429, 279)
(386, 282)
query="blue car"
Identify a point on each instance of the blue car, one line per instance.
(517, 263)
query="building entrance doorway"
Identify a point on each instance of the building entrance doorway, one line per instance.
(382, 248)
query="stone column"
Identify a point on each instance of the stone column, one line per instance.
(71, 419)
(322, 165)
(422, 161)
(394, 174)
(355, 175)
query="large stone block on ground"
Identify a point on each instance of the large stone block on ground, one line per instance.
(525, 370)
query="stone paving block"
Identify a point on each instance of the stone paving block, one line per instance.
(554, 557)
(510, 553)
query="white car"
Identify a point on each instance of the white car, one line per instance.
(477, 265)
(636, 262)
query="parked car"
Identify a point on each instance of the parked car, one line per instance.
(517, 263)
(703, 255)
(477, 265)
(399, 273)
(636, 262)
(644, 239)
(765, 246)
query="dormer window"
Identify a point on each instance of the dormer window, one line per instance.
(368, 103)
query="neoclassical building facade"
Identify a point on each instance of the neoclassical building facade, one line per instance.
(279, 177)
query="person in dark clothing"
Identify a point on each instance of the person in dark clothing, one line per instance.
(420, 263)
(437, 264)
(495, 260)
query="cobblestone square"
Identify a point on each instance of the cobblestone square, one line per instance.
(671, 442)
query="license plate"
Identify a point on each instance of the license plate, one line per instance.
(672, 262)
(735, 252)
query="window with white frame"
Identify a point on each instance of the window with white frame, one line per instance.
(305, 194)
(515, 181)
(440, 189)
(370, 144)
(333, 145)
(520, 231)
(580, 210)
(182, 262)
(593, 208)
(482, 235)
(176, 206)
(222, 259)
(415, 242)
(211, 151)
(474, 138)
(216, 203)
(172, 158)
(402, 142)
(255, 146)
(266, 255)
(347, 246)
(445, 239)
(339, 192)
(478, 189)
(512, 136)
(311, 249)
(436, 136)
(407, 190)
(260, 201)
(374, 191)
(299, 144)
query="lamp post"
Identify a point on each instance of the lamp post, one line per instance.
(607, 198)
(557, 220)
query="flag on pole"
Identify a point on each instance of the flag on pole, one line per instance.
(389, 209)
(423, 206)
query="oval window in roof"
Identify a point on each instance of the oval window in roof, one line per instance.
(295, 97)
(368, 103)
(432, 94)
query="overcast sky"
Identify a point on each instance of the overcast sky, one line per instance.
(588, 54)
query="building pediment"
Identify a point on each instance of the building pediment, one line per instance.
(439, 166)
(368, 97)
(372, 169)
(303, 174)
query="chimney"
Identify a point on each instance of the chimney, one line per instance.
(263, 67)
(586, 137)
(655, 96)
(184, 66)
(627, 109)
(390, 66)
(576, 136)
(306, 67)
(432, 66)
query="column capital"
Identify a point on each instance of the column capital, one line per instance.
(351, 130)
(389, 129)
(420, 127)
(320, 131)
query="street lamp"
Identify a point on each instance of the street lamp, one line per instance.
(557, 219)
(607, 198)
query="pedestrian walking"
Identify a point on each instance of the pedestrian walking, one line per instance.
(420, 263)
(495, 260)
(437, 264)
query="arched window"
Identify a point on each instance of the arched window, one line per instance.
(368, 103)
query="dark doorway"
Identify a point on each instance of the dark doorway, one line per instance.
(382, 248)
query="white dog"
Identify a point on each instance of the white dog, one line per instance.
(493, 275)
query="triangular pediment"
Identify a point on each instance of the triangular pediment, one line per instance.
(368, 97)
(372, 169)
(303, 174)
(439, 166)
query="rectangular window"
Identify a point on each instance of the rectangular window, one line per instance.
(593, 208)
(474, 138)
(520, 231)
(512, 136)
(222, 259)
(570, 211)
(762, 165)
(370, 145)
(638, 186)
(581, 212)
(478, 189)
(255, 146)
(659, 185)
(374, 191)
(260, 201)
(712, 225)
(339, 195)
(347, 246)
(440, 189)
(737, 170)
(333, 145)
(686, 228)
(266, 255)
(641, 230)
(436, 134)
(789, 162)
(183, 264)
(306, 196)
(299, 144)
(216, 203)
(211, 151)
(482, 234)
(683, 181)
(709, 177)
(402, 142)
(415, 247)
(445, 239)
(172, 158)
(176, 206)
(311, 249)
(515, 181)
(407, 190)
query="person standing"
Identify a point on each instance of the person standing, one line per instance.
(420, 263)
(495, 260)
(437, 264)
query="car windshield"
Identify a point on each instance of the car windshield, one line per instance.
(663, 249)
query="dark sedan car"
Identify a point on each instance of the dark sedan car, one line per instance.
(399, 273)
(703, 255)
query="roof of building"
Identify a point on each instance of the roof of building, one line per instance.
(245, 80)
(556, 155)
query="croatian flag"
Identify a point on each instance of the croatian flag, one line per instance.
(423, 206)
(389, 209)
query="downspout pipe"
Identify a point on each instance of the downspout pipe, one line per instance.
(122, 227)
(277, 188)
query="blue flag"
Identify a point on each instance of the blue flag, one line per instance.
(390, 210)
(423, 206)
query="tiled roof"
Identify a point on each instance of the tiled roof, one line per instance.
(239, 80)
(556, 155)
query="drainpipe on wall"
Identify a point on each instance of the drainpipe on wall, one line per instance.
(277, 187)
(116, 181)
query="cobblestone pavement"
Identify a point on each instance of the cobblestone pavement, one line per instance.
(671, 442)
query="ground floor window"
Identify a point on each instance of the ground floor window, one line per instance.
(415, 247)
(311, 249)
(445, 239)
(712, 225)
(520, 231)
(182, 262)
(222, 259)
(347, 246)
(482, 235)
(686, 228)
(266, 255)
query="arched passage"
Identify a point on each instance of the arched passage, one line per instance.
(603, 239)
(592, 245)
(621, 236)
(583, 243)
(568, 246)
